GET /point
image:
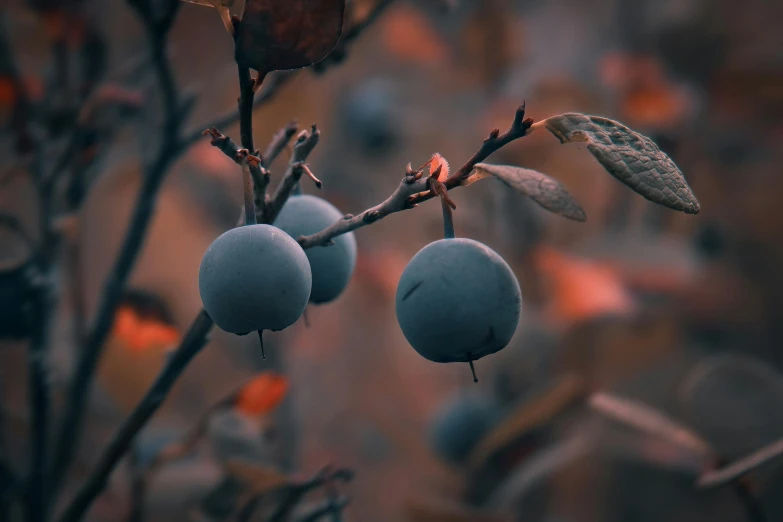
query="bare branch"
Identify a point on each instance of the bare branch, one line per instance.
(738, 469)
(333, 507)
(304, 145)
(142, 216)
(272, 85)
(413, 189)
(191, 344)
(296, 492)
(278, 143)
(12, 223)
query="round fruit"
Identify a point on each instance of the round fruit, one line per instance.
(332, 266)
(460, 424)
(458, 301)
(254, 278)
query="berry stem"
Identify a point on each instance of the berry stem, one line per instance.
(261, 340)
(472, 369)
(448, 220)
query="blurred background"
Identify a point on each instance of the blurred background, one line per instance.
(682, 313)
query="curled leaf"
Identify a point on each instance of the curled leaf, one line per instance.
(628, 156)
(280, 35)
(546, 191)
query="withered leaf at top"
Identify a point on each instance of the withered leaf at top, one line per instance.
(628, 156)
(287, 34)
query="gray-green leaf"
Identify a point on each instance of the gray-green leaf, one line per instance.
(546, 191)
(628, 156)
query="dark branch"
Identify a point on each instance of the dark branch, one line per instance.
(740, 468)
(279, 142)
(331, 507)
(302, 148)
(154, 175)
(191, 344)
(297, 492)
(414, 189)
(38, 381)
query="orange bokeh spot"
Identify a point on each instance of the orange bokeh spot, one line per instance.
(141, 334)
(7, 92)
(410, 37)
(262, 394)
(581, 289)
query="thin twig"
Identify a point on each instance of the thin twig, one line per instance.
(191, 344)
(278, 143)
(304, 145)
(272, 85)
(738, 469)
(296, 492)
(12, 223)
(414, 189)
(37, 498)
(332, 507)
(142, 215)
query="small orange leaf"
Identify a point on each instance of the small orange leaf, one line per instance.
(141, 334)
(262, 394)
(439, 161)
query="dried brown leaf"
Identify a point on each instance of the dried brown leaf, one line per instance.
(546, 191)
(280, 35)
(628, 156)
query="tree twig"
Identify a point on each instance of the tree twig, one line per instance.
(738, 469)
(333, 507)
(304, 145)
(37, 497)
(142, 215)
(191, 344)
(296, 492)
(414, 189)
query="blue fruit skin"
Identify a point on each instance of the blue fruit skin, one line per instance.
(457, 301)
(332, 266)
(254, 278)
(460, 424)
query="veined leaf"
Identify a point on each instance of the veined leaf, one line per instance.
(628, 156)
(546, 191)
